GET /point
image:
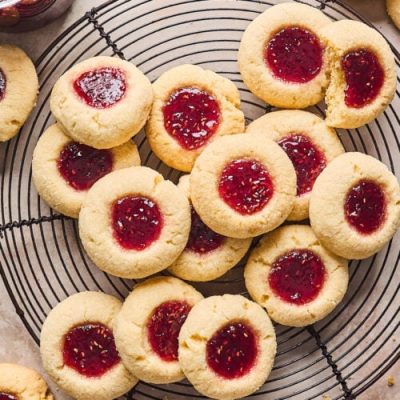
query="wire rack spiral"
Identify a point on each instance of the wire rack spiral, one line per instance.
(42, 260)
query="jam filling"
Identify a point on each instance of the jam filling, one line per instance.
(101, 88)
(246, 186)
(365, 207)
(164, 326)
(90, 350)
(137, 222)
(7, 396)
(294, 55)
(191, 117)
(202, 239)
(81, 166)
(29, 8)
(297, 276)
(232, 351)
(364, 77)
(307, 160)
(3, 85)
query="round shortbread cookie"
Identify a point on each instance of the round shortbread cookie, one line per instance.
(102, 101)
(355, 206)
(227, 347)
(282, 59)
(207, 255)
(19, 87)
(309, 143)
(78, 349)
(294, 277)
(393, 9)
(243, 185)
(133, 223)
(148, 325)
(191, 108)
(21, 383)
(363, 74)
(63, 170)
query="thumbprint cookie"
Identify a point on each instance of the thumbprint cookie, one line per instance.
(20, 383)
(363, 74)
(243, 185)
(19, 87)
(227, 347)
(355, 206)
(282, 58)
(309, 143)
(78, 349)
(294, 277)
(133, 223)
(102, 102)
(207, 255)
(191, 108)
(64, 170)
(148, 326)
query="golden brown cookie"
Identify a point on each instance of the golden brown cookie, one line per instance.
(102, 101)
(18, 90)
(393, 9)
(78, 348)
(363, 74)
(133, 223)
(192, 107)
(148, 326)
(294, 277)
(21, 383)
(227, 347)
(243, 185)
(355, 206)
(282, 58)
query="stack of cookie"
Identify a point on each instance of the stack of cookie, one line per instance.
(288, 165)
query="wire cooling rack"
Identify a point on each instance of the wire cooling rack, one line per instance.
(42, 260)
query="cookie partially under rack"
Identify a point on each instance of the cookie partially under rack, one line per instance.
(42, 260)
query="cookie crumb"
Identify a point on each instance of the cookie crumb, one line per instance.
(390, 380)
(326, 397)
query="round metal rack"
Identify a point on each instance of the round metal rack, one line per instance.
(42, 260)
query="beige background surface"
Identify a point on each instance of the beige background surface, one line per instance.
(15, 343)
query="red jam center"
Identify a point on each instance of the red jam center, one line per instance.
(137, 222)
(164, 326)
(294, 55)
(246, 186)
(365, 207)
(364, 77)
(81, 166)
(191, 117)
(101, 88)
(29, 8)
(202, 239)
(90, 350)
(7, 396)
(232, 351)
(3, 84)
(297, 276)
(307, 160)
